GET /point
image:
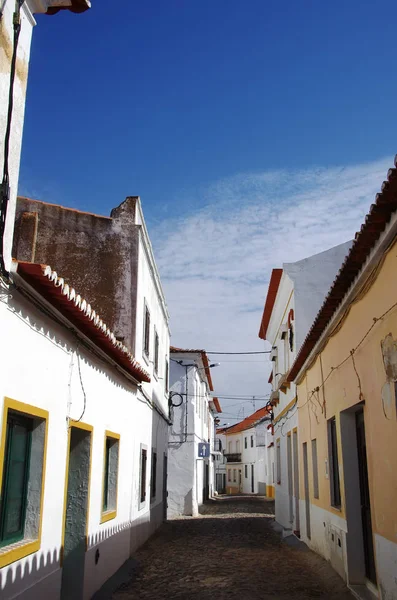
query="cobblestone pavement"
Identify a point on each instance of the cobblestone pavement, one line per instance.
(230, 552)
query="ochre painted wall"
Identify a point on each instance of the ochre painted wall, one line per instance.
(342, 391)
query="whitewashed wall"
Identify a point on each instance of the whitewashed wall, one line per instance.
(42, 370)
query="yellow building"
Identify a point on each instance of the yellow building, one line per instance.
(346, 373)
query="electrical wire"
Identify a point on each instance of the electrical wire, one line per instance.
(82, 389)
(225, 353)
(333, 369)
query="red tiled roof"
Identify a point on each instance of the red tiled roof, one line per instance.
(79, 312)
(250, 421)
(204, 358)
(375, 223)
(270, 300)
(75, 6)
(222, 429)
(217, 404)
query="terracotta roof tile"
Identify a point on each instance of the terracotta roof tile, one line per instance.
(250, 421)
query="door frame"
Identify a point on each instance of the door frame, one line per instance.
(90, 430)
(356, 572)
(295, 452)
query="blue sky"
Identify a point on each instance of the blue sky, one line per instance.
(238, 123)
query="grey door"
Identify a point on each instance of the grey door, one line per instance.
(296, 480)
(306, 484)
(370, 570)
(76, 514)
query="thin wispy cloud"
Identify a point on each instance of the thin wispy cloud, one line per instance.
(215, 263)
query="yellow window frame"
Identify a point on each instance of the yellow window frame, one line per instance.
(20, 549)
(108, 515)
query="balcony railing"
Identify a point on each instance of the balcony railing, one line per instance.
(233, 458)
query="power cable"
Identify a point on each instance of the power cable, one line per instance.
(375, 320)
(225, 353)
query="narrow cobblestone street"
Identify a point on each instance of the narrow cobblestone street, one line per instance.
(230, 552)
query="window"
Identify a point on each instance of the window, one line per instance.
(146, 332)
(110, 476)
(333, 464)
(245, 442)
(230, 447)
(153, 476)
(278, 461)
(21, 479)
(143, 474)
(156, 352)
(229, 474)
(252, 441)
(234, 475)
(286, 355)
(166, 376)
(238, 446)
(246, 471)
(315, 469)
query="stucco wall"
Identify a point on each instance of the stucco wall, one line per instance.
(341, 392)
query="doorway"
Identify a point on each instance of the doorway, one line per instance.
(252, 479)
(240, 481)
(296, 480)
(76, 511)
(306, 484)
(290, 482)
(369, 557)
(206, 482)
(165, 491)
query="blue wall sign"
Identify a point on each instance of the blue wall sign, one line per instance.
(203, 450)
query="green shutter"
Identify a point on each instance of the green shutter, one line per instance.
(15, 479)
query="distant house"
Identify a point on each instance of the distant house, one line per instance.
(249, 455)
(346, 378)
(294, 296)
(191, 449)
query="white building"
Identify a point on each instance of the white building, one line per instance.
(111, 260)
(294, 297)
(191, 451)
(82, 450)
(248, 454)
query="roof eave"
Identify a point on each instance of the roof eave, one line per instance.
(118, 356)
(274, 284)
(76, 6)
